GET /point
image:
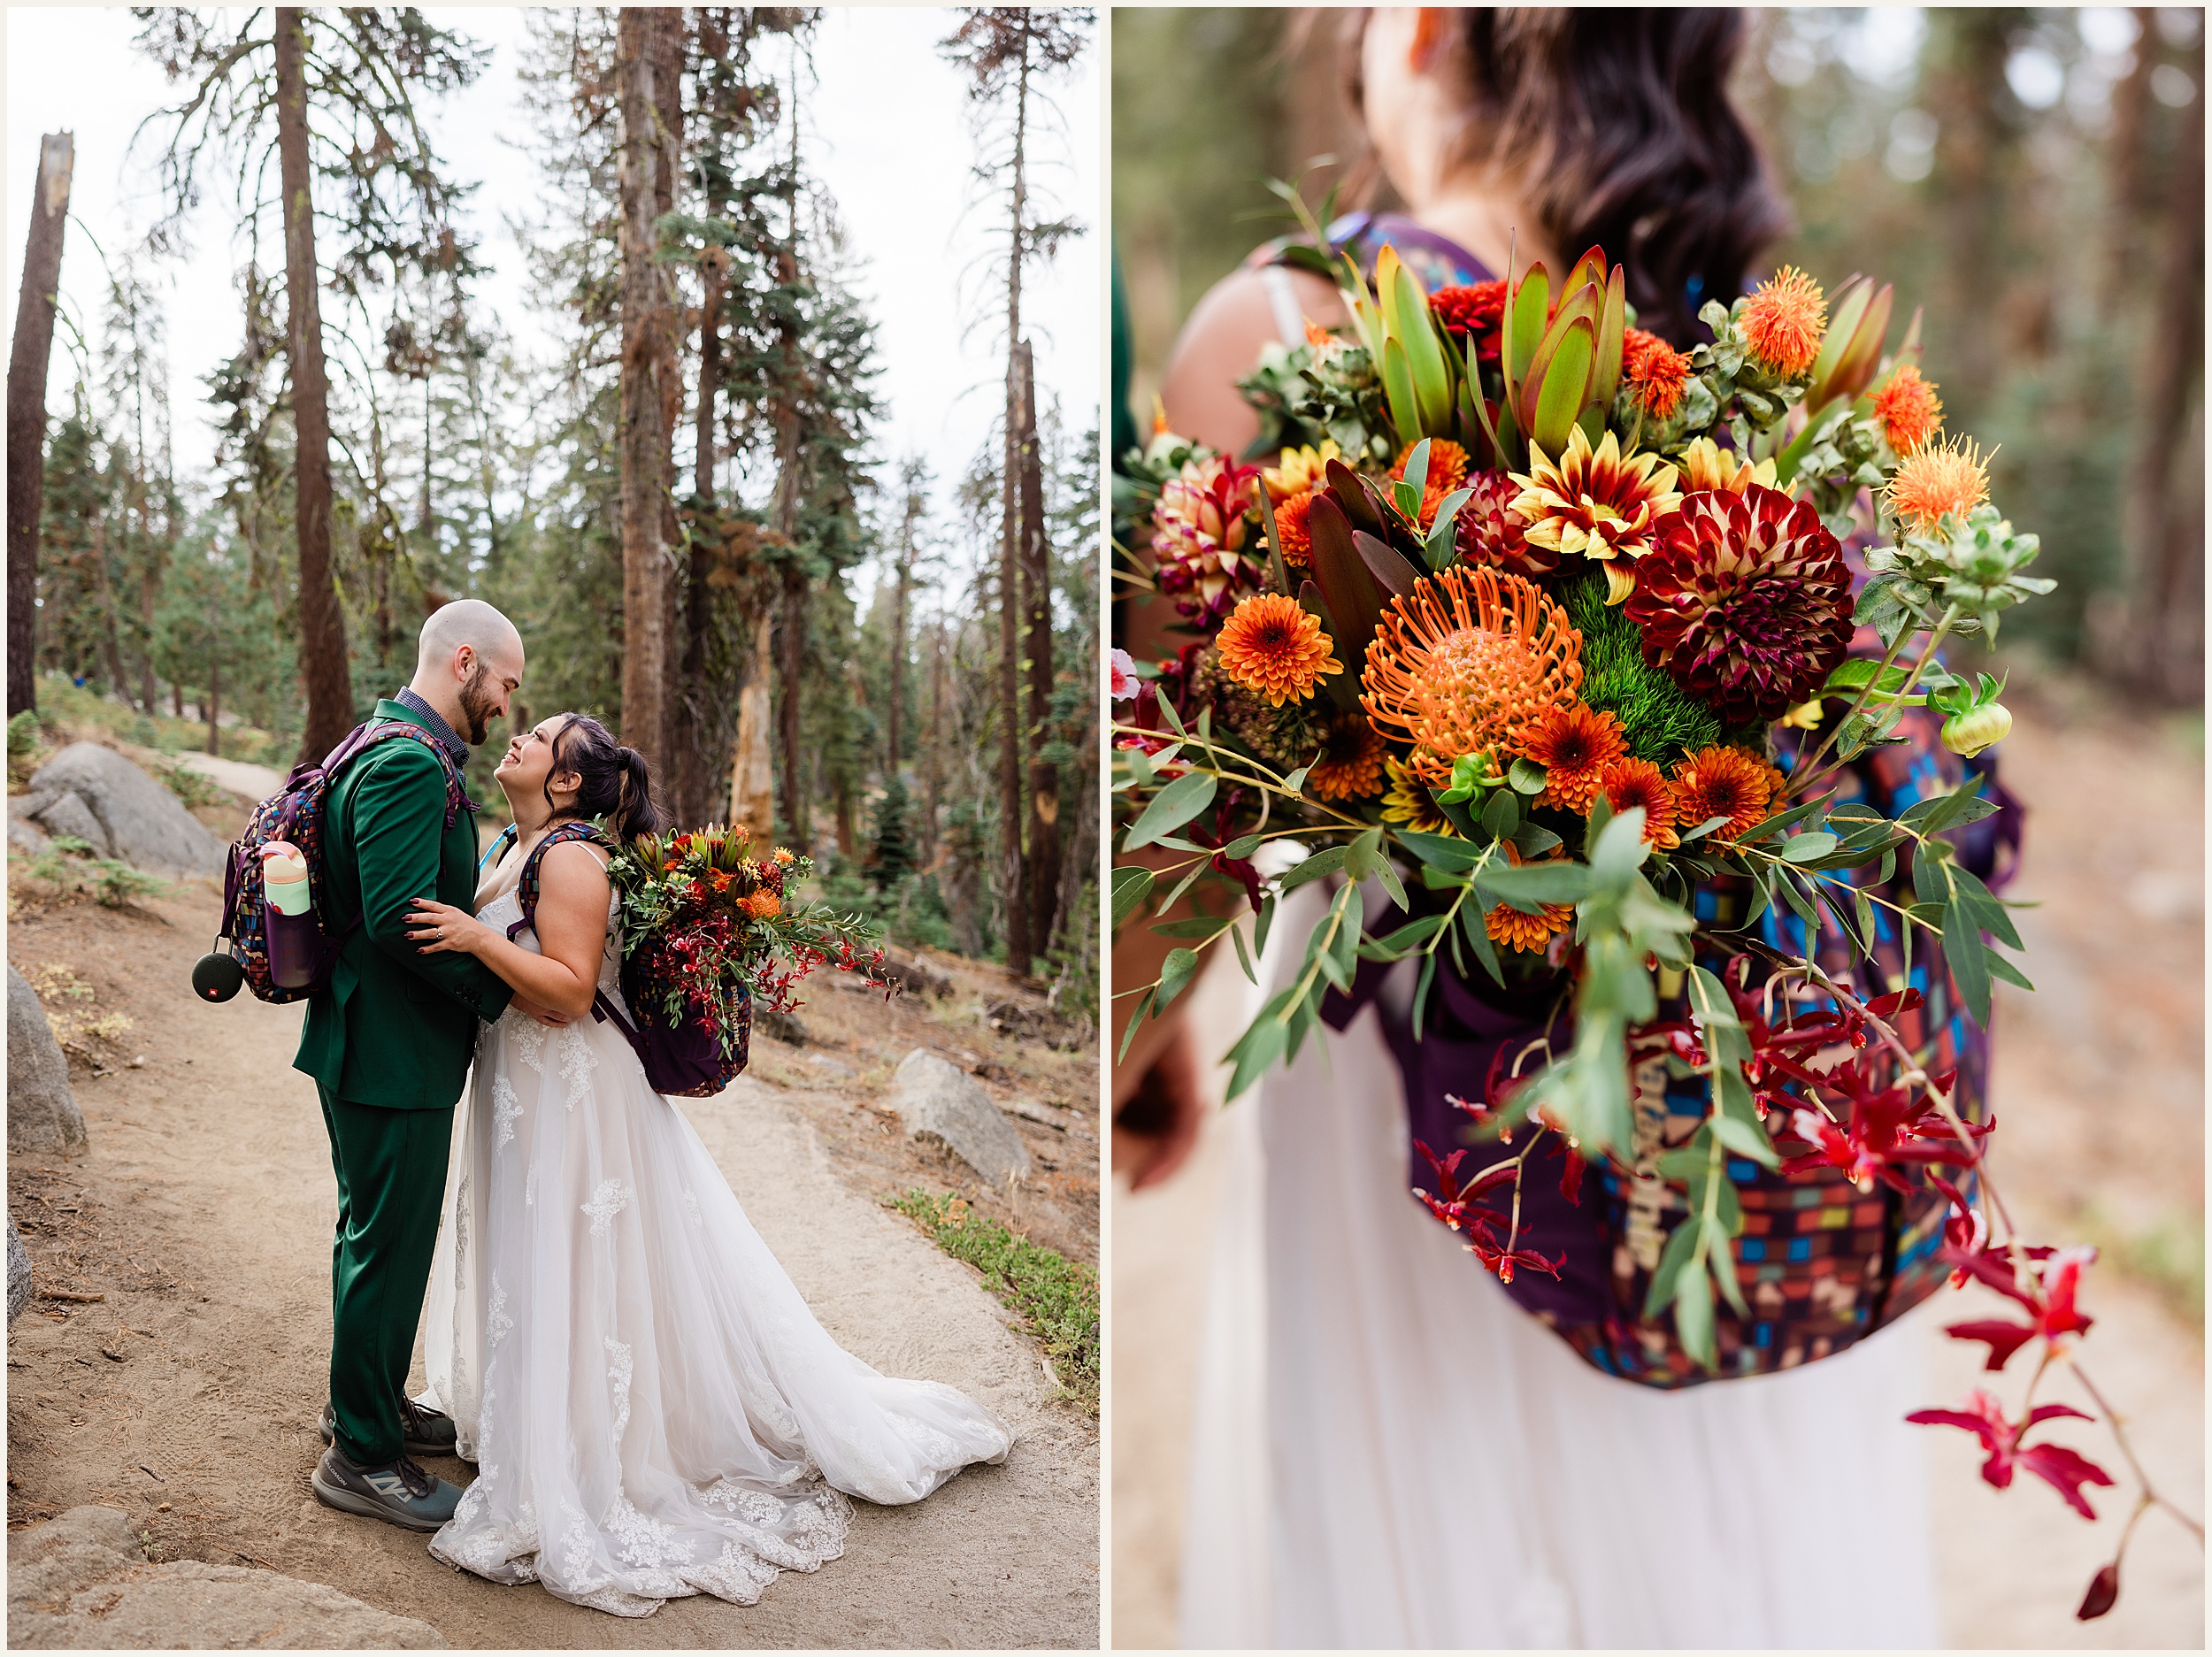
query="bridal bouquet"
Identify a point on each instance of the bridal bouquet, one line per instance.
(707, 923)
(1582, 647)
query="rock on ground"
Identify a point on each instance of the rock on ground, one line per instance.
(936, 1100)
(81, 1582)
(42, 1114)
(18, 1273)
(125, 813)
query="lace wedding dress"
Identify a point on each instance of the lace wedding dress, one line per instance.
(651, 1408)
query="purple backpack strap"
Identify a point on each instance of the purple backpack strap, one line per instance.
(526, 885)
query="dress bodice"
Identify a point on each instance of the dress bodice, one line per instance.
(499, 904)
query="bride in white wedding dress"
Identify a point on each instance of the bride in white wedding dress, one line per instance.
(652, 1409)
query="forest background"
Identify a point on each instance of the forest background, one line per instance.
(746, 357)
(2032, 176)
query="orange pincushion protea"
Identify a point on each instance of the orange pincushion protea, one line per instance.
(1275, 649)
(762, 905)
(1464, 662)
(1654, 372)
(1941, 478)
(1784, 321)
(1597, 503)
(1574, 746)
(1908, 409)
(1351, 765)
(1724, 782)
(1628, 783)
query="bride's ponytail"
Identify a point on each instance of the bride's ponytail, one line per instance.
(614, 782)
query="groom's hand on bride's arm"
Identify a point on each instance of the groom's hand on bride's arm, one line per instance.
(543, 1015)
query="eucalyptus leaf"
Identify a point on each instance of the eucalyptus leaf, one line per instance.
(1132, 883)
(1173, 807)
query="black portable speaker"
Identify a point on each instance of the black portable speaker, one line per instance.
(217, 978)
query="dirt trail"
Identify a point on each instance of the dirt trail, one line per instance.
(187, 1395)
(2099, 1090)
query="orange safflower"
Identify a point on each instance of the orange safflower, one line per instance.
(1628, 783)
(763, 905)
(782, 856)
(1464, 662)
(1275, 649)
(1351, 766)
(1654, 372)
(1723, 782)
(1294, 535)
(1785, 320)
(1574, 745)
(1908, 409)
(1937, 478)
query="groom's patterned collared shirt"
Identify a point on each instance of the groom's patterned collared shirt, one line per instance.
(439, 728)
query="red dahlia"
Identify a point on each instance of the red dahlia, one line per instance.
(1743, 599)
(1486, 531)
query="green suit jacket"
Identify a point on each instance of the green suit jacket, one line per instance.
(396, 1028)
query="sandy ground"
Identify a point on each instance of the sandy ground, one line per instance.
(2100, 1093)
(187, 1394)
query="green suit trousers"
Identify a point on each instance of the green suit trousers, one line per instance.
(391, 1169)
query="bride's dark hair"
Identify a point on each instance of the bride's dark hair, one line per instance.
(617, 783)
(1619, 125)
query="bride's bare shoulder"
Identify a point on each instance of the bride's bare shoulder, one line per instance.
(1221, 341)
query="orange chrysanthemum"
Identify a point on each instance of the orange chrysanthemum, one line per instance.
(1654, 372)
(1464, 662)
(1351, 765)
(1908, 409)
(1508, 927)
(763, 905)
(1628, 783)
(1574, 745)
(1936, 479)
(1292, 534)
(1723, 782)
(1447, 465)
(1275, 649)
(1785, 320)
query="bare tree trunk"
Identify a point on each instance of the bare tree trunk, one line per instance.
(752, 774)
(694, 775)
(110, 646)
(643, 453)
(323, 664)
(791, 628)
(791, 642)
(1020, 941)
(1043, 882)
(667, 47)
(2172, 455)
(909, 512)
(26, 410)
(931, 759)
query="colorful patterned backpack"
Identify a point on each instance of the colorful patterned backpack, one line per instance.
(289, 957)
(691, 1055)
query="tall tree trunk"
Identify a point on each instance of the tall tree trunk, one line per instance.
(2172, 453)
(323, 664)
(791, 627)
(898, 632)
(1043, 882)
(694, 774)
(667, 47)
(752, 772)
(791, 647)
(644, 451)
(26, 410)
(931, 759)
(1019, 939)
(110, 644)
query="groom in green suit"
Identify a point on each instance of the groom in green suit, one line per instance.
(388, 1043)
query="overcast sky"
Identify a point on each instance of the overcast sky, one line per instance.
(884, 129)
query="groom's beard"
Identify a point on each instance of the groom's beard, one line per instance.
(477, 706)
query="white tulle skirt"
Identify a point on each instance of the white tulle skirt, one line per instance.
(652, 1409)
(1388, 1453)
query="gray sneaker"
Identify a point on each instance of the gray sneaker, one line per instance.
(400, 1493)
(429, 1431)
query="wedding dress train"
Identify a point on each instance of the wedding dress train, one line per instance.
(652, 1409)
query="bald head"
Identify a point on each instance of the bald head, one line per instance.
(468, 663)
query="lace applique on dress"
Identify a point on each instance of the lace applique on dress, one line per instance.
(691, 1207)
(530, 1187)
(506, 1109)
(619, 1373)
(608, 1201)
(497, 1324)
(639, 1540)
(578, 1062)
(528, 1036)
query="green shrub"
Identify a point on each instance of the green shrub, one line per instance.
(1057, 1298)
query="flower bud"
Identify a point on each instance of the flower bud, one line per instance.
(1971, 732)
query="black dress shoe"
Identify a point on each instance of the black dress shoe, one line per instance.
(429, 1431)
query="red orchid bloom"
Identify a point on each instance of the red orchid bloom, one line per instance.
(1887, 1127)
(2055, 1277)
(2063, 1469)
(1454, 1204)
